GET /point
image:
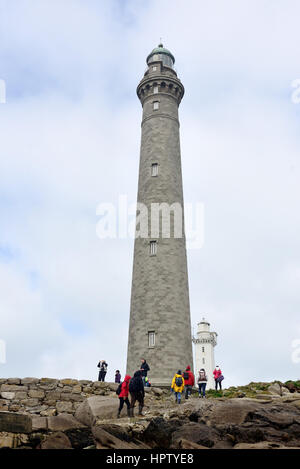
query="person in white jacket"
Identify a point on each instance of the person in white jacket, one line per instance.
(202, 381)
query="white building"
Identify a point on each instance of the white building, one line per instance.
(204, 352)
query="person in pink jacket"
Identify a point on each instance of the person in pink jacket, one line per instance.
(218, 375)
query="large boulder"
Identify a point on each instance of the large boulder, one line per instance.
(262, 445)
(198, 433)
(119, 431)
(96, 408)
(278, 420)
(105, 440)
(185, 444)
(56, 441)
(63, 422)
(81, 438)
(157, 391)
(232, 411)
(159, 432)
(275, 388)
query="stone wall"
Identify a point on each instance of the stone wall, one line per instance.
(48, 397)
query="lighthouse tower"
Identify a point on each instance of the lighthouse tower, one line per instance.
(160, 325)
(205, 343)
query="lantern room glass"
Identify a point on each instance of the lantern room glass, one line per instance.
(164, 58)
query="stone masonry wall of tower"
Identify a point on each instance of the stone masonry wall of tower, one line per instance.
(160, 292)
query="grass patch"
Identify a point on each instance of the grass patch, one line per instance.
(214, 393)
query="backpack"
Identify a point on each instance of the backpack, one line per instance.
(178, 381)
(119, 389)
(186, 375)
(136, 385)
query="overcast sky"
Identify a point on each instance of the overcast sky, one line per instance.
(69, 140)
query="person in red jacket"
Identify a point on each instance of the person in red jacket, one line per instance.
(123, 396)
(217, 375)
(189, 381)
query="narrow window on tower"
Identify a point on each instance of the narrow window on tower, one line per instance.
(203, 349)
(151, 339)
(154, 69)
(154, 170)
(153, 248)
(155, 105)
(203, 361)
(155, 89)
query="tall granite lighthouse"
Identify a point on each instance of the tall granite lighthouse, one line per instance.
(160, 325)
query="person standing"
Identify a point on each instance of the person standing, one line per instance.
(202, 382)
(118, 377)
(123, 396)
(144, 369)
(189, 381)
(137, 392)
(218, 377)
(178, 386)
(103, 370)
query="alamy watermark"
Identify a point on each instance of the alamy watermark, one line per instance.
(296, 351)
(2, 352)
(295, 98)
(153, 221)
(2, 91)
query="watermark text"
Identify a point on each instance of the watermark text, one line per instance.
(2, 352)
(2, 91)
(295, 98)
(153, 221)
(296, 351)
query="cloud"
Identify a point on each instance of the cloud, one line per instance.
(70, 135)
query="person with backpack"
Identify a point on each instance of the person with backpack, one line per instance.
(123, 392)
(178, 386)
(202, 382)
(147, 382)
(144, 369)
(103, 370)
(118, 377)
(189, 381)
(218, 377)
(137, 392)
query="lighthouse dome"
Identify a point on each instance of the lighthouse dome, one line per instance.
(162, 54)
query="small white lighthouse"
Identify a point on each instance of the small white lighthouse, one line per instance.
(205, 343)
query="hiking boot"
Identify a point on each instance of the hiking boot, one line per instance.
(128, 412)
(119, 414)
(140, 410)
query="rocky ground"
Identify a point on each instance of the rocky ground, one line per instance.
(260, 415)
